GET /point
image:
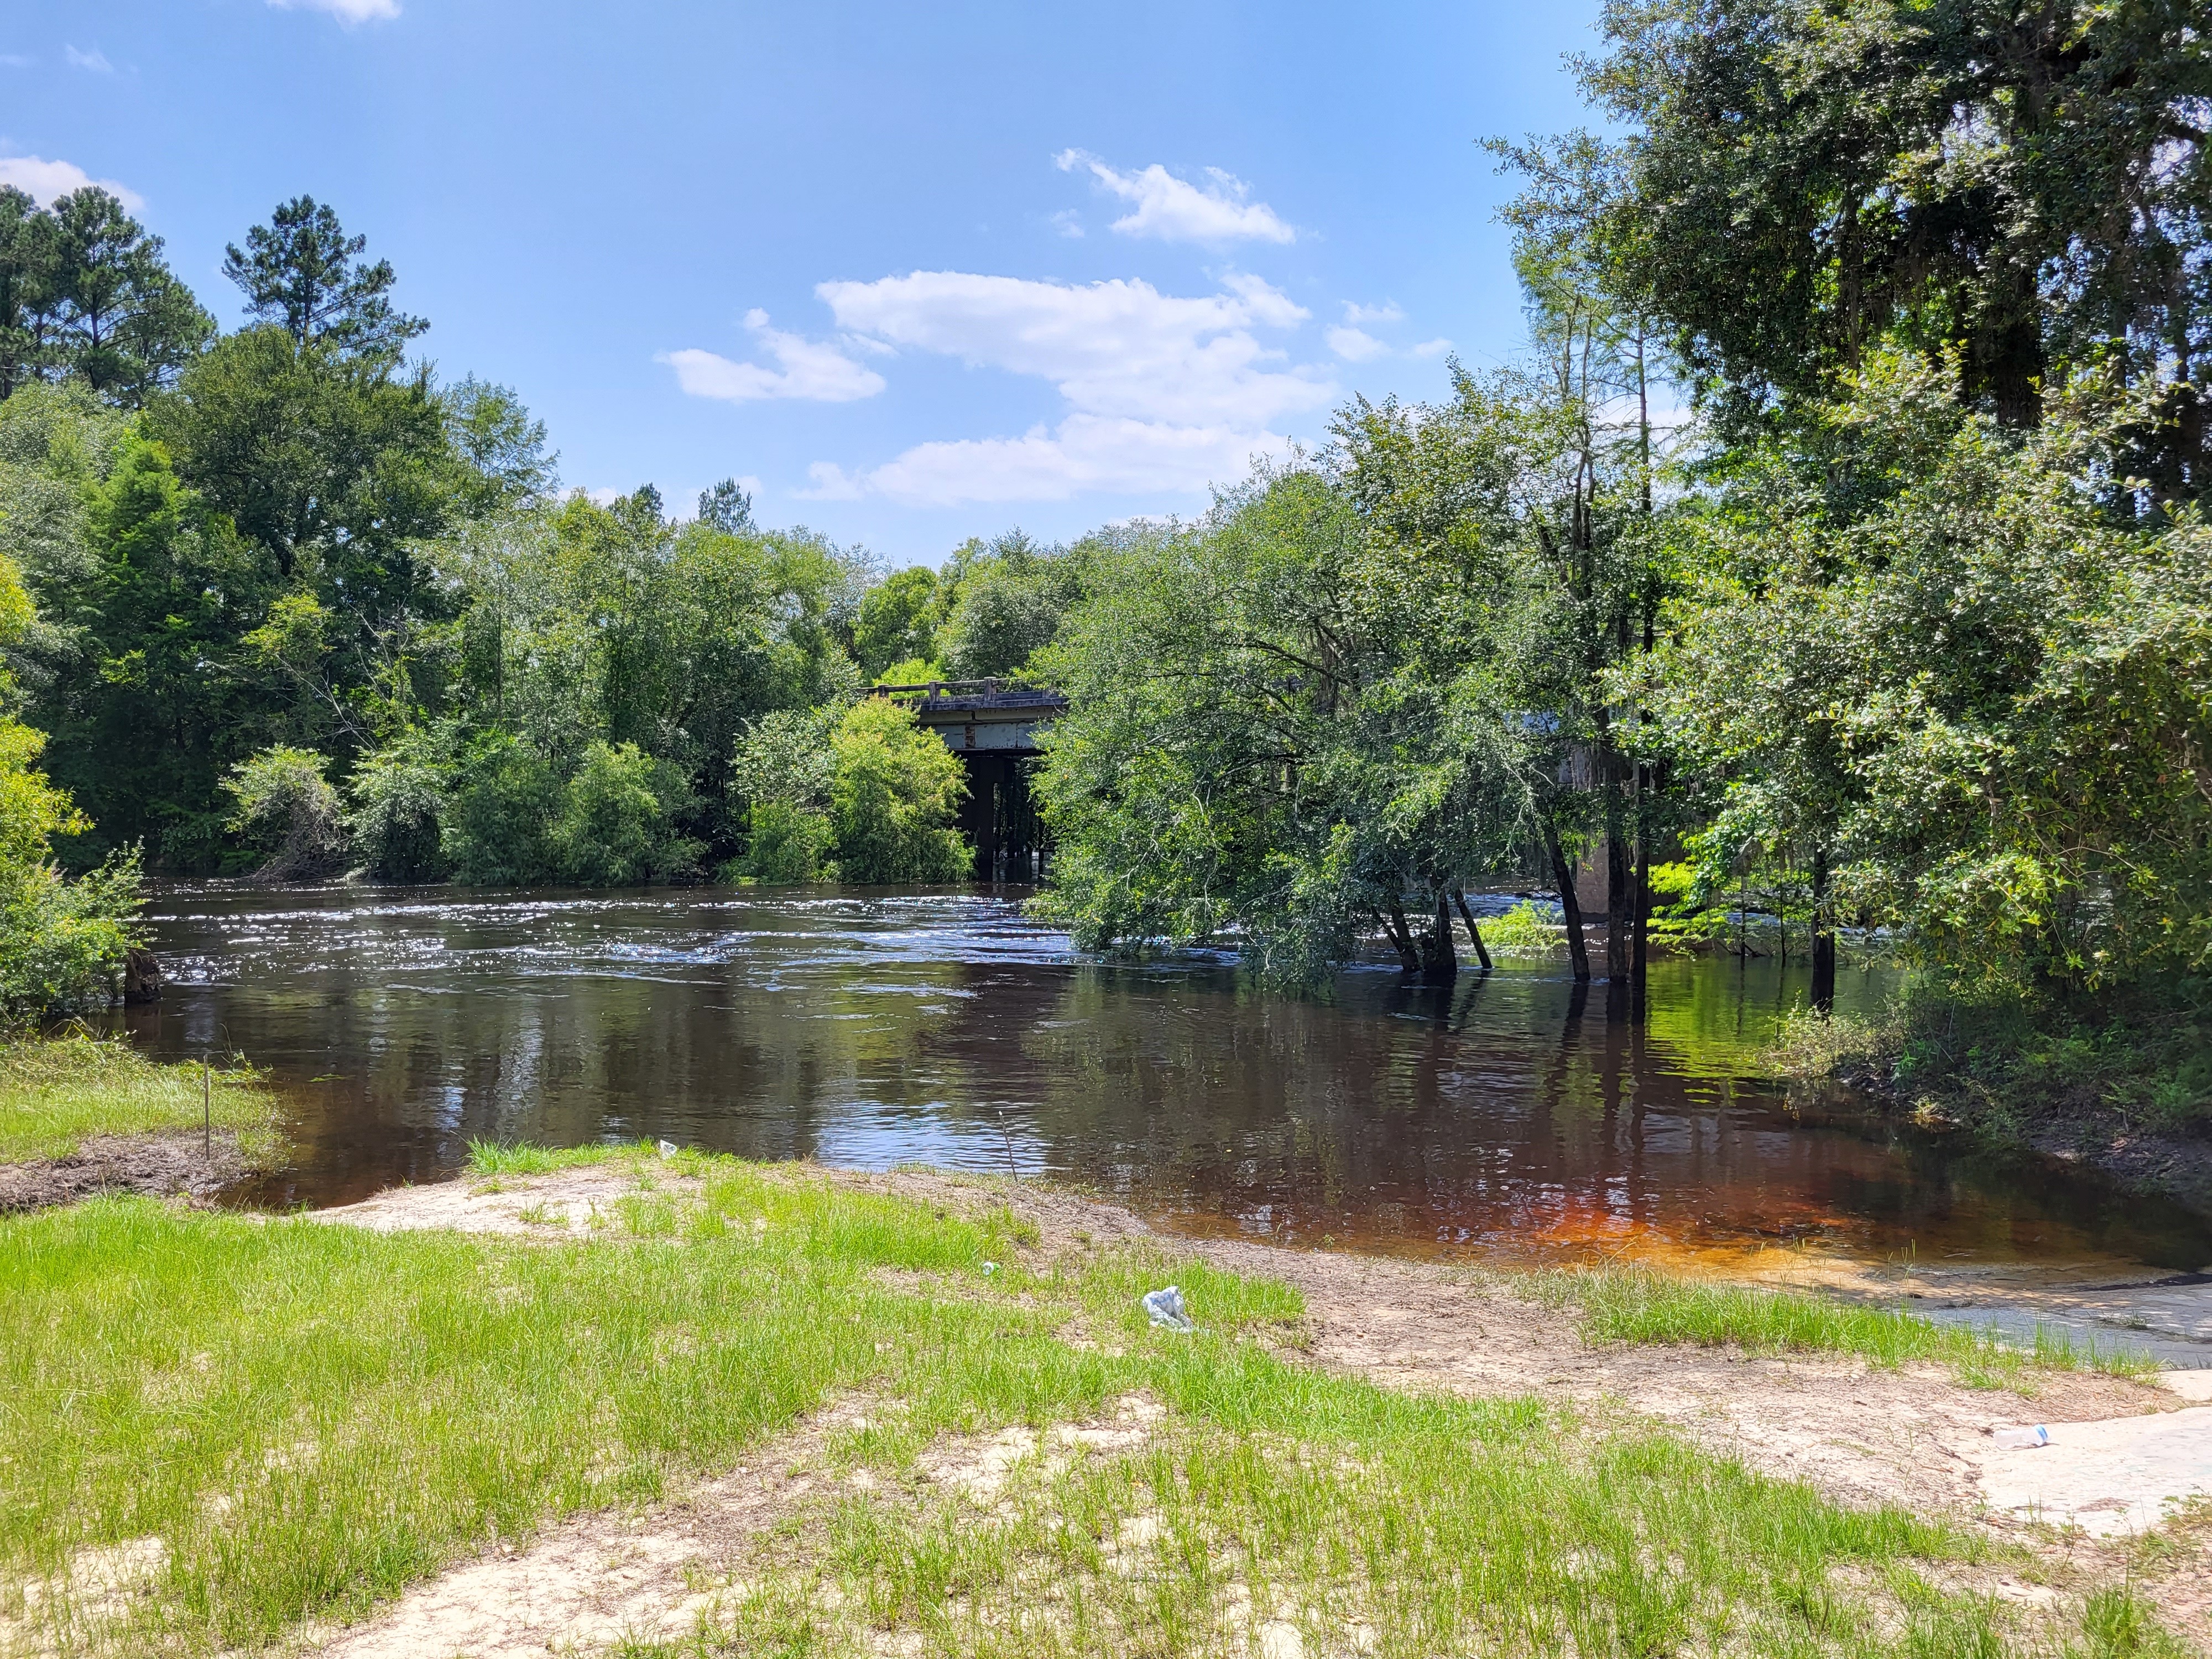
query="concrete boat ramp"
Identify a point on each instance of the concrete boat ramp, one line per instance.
(2123, 1474)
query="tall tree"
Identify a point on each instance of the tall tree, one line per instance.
(2018, 188)
(303, 273)
(84, 291)
(126, 325)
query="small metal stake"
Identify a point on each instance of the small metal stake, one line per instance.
(207, 1108)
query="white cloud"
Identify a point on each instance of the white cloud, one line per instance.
(1085, 453)
(1164, 394)
(43, 181)
(1355, 313)
(1068, 222)
(1354, 345)
(93, 60)
(1118, 347)
(347, 12)
(1175, 210)
(16, 60)
(1435, 348)
(812, 371)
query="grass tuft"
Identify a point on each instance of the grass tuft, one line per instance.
(1635, 1304)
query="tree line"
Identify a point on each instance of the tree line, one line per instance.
(1835, 546)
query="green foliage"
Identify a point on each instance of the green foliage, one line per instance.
(505, 794)
(788, 843)
(1918, 650)
(400, 797)
(616, 823)
(302, 273)
(894, 791)
(1524, 931)
(290, 813)
(856, 792)
(1003, 601)
(1288, 722)
(897, 620)
(63, 943)
(785, 756)
(85, 296)
(511, 818)
(1798, 187)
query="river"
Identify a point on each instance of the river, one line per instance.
(1512, 1114)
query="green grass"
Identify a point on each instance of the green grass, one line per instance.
(56, 1091)
(1632, 1304)
(491, 1158)
(311, 1417)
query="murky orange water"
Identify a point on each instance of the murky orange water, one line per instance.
(1512, 1114)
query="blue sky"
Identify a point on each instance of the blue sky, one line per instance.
(920, 272)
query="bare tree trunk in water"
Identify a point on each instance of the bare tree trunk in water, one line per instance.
(1824, 938)
(1439, 956)
(1403, 937)
(1620, 901)
(1473, 932)
(1643, 907)
(1570, 906)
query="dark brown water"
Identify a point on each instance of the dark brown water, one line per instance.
(874, 1028)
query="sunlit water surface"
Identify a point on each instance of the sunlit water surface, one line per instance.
(1511, 1114)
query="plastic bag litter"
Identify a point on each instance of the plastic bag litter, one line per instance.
(1165, 1307)
(669, 1149)
(990, 1267)
(2022, 1439)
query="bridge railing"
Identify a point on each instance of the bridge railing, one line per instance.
(936, 690)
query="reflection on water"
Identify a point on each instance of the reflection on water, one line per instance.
(1513, 1111)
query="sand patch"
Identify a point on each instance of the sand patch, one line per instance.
(603, 1579)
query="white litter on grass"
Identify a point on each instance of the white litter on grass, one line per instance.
(2022, 1439)
(1166, 1309)
(990, 1267)
(669, 1149)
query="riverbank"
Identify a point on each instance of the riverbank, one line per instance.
(2131, 1099)
(702, 1406)
(82, 1114)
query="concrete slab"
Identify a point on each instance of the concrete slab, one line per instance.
(2121, 1475)
(2189, 1385)
(2168, 1320)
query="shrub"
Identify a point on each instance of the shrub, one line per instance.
(616, 823)
(400, 803)
(790, 843)
(501, 813)
(1524, 931)
(289, 813)
(785, 756)
(893, 792)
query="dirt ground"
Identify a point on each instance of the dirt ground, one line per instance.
(1863, 1434)
(159, 1166)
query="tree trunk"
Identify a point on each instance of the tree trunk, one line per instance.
(1439, 957)
(1643, 907)
(1473, 932)
(1824, 938)
(1620, 902)
(1571, 906)
(1403, 937)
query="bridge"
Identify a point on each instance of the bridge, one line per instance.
(994, 729)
